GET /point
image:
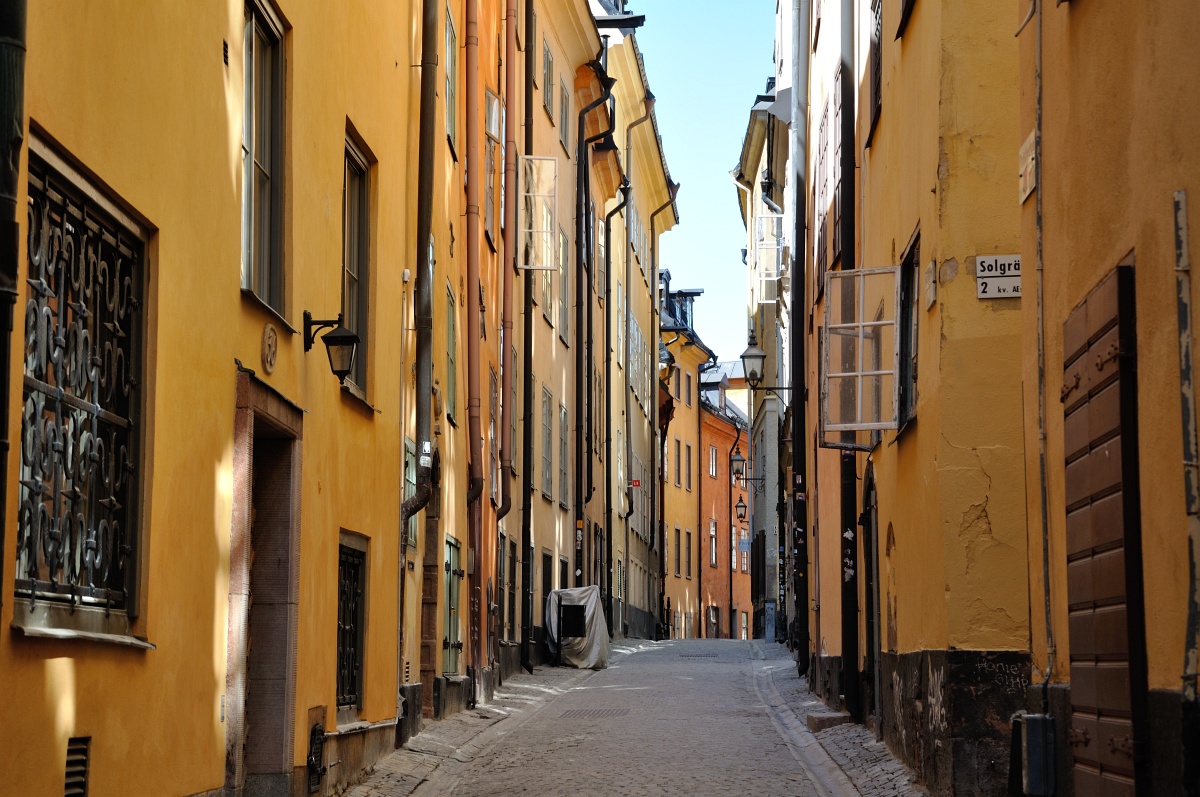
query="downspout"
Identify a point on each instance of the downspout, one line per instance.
(608, 464)
(801, 11)
(659, 496)
(12, 119)
(583, 317)
(849, 463)
(584, 244)
(1191, 483)
(474, 423)
(648, 103)
(423, 285)
(527, 388)
(509, 260)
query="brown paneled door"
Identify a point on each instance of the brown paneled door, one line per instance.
(1104, 563)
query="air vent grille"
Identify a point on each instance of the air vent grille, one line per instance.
(78, 749)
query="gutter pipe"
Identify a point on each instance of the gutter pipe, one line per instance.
(648, 104)
(509, 260)
(423, 285)
(659, 497)
(732, 528)
(527, 385)
(801, 13)
(12, 119)
(474, 423)
(583, 316)
(608, 466)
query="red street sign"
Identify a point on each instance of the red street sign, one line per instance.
(635, 483)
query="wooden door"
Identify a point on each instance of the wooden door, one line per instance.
(1104, 569)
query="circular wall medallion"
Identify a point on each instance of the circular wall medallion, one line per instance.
(270, 347)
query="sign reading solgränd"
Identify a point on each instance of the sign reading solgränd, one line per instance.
(998, 277)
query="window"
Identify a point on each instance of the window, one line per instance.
(451, 81)
(620, 326)
(547, 444)
(733, 549)
(620, 580)
(547, 577)
(352, 575)
(906, 374)
(712, 461)
(79, 535)
(688, 467)
(601, 257)
(512, 415)
(493, 444)
(677, 380)
(548, 79)
(821, 190)
(677, 547)
(688, 539)
(858, 389)
(564, 116)
(356, 229)
(512, 590)
(712, 543)
(687, 388)
(875, 65)
(262, 157)
(564, 571)
(451, 355)
(410, 488)
(745, 553)
(548, 274)
(536, 213)
(839, 85)
(564, 296)
(816, 23)
(491, 124)
(563, 428)
(678, 463)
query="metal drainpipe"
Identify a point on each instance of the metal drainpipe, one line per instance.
(849, 469)
(660, 495)
(12, 117)
(801, 10)
(509, 260)
(474, 423)
(608, 474)
(583, 293)
(527, 388)
(648, 104)
(423, 285)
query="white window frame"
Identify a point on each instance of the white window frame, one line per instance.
(538, 186)
(564, 490)
(547, 443)
(451, 90)
(768, 254)
(860, 327)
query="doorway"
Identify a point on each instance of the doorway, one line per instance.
(452, 640)
(260, 680)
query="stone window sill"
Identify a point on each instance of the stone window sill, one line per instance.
(56, 621)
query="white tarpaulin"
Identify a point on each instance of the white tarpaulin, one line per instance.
(587, 652)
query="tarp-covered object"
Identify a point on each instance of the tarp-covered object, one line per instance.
(587, 652)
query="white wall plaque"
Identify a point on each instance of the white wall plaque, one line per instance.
(998, 277)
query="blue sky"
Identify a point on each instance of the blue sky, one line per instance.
(706, 61)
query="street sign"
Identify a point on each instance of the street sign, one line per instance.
(635, 483)
(998, 277)
(744, 545)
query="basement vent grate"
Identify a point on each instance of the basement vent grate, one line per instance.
(697, 655)
(78, 749)
(593, 713)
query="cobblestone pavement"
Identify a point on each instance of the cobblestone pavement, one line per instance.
(687, 717)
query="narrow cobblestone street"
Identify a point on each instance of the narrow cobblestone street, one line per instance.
(686, 717)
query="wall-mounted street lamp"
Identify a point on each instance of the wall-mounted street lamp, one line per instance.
(740, 508)
(754, 361)
(341, 343)
(737, 463)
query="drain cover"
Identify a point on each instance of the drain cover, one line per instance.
(593, 713)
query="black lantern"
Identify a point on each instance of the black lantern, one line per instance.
(753, 361)
(340, 343)
(737, 463)
(740, 508)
